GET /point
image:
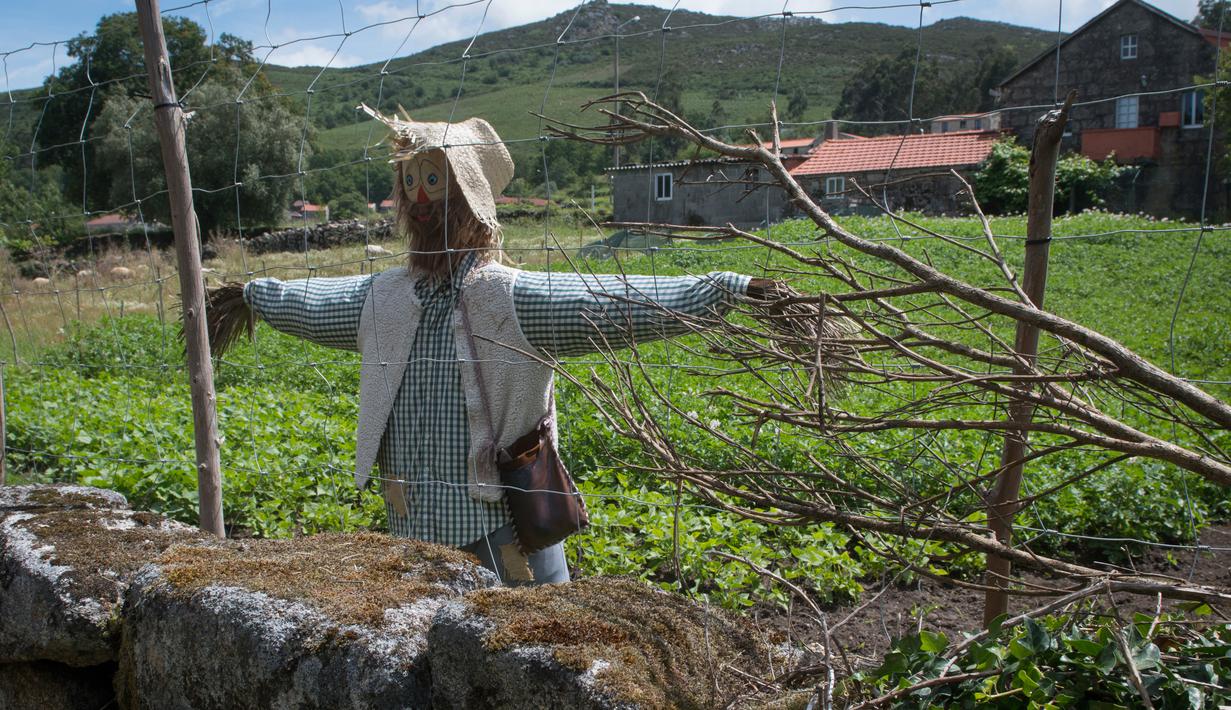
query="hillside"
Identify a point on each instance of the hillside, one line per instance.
(705, 58)
(719, 70)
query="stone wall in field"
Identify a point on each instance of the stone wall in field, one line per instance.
(321, 236)
(101, 604)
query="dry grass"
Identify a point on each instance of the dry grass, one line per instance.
(35, 315)
(663, 649)
(350, 578)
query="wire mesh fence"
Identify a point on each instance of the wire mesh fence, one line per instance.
(96, 387)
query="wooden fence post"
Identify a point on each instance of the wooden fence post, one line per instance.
(1002, 502)
(169, 119)
(4, 432)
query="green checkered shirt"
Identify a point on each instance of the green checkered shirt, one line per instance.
(426, 439)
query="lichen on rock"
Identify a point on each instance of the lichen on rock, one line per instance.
(66, 555)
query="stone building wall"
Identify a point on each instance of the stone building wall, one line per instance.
(1168, 57)
(704, 193)
(931, 191)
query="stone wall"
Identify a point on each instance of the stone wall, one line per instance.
(100, 604)
(321, 236)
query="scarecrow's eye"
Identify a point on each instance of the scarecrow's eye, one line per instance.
(410, 180)
(432, 179)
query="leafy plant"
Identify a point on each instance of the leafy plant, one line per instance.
(1073, 660)
(1002, 182)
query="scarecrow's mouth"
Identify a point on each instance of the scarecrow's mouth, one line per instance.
(423, 212)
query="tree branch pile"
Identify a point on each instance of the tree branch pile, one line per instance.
(894, 352)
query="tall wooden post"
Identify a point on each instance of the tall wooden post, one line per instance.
(4, 432)
(169, 119)
(1002, 503)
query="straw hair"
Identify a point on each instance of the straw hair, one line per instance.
(227, 317)
(452, 232)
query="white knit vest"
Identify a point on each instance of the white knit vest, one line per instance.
(516, 379)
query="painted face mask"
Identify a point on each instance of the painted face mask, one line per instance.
(424, 183)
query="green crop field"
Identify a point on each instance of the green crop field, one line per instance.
(103, 401)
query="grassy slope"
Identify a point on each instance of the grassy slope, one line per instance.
(733, 60)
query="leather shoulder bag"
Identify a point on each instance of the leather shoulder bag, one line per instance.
(543, 500)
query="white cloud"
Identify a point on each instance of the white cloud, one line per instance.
(26, 69)
(302, 55)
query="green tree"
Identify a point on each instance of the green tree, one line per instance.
(33, 213)
(1002, 183)
(110, 62)
(347, 205)
(797, 104)
(881, 90)
(971, 85)
(1211, 14)
(252, 142)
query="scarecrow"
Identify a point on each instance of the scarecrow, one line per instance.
(456, 346)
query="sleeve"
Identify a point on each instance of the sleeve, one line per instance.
(324, 311)
(572, 314)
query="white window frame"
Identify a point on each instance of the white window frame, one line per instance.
(1128, 46)
(663, 186)
(1128, 112)
(1197, 100)
(835, 187)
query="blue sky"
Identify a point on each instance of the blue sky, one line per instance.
(26, 22)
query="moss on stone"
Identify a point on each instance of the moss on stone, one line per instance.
(351, 578)
(643, 645)
(102, 548)
(56, 497)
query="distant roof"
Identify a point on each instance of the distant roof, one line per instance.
(924, 150)
(1208, 35)
(789, 143)
(107, 220)
(675, 164)
(958, 116)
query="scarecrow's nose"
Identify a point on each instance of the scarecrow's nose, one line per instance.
(422, 199)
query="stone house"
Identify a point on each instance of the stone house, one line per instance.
(696, 192)
(303, 211)
(720, 191)
(1134, 68)
(966, 122)
(913, 171)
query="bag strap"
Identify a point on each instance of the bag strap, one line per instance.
(478, 372)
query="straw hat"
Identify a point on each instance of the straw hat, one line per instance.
(478, 160)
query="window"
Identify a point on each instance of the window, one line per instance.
(662, 186)
(834, 187)
(1128, 46)
(1192, 109)
(1126, 112)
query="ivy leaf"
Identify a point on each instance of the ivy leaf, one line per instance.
(933, 642)
(1146, 657)
(1085, 646)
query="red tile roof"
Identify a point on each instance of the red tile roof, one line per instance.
(926, 150)
(107, 220)
(789, 143)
